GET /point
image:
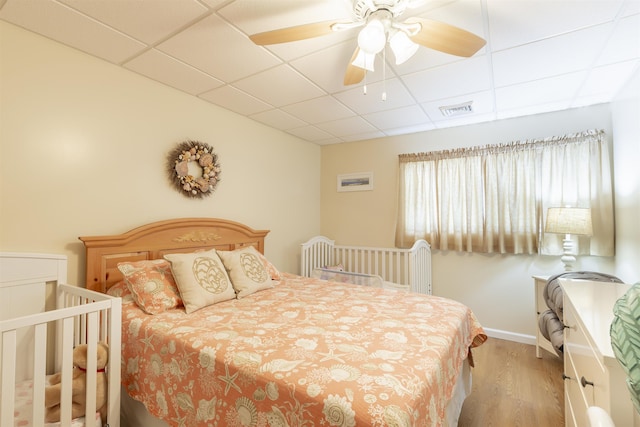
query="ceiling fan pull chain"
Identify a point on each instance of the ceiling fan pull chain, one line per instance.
(384, 74)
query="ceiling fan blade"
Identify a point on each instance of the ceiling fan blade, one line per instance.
(291, 34)
(353, 74)
(446, 38)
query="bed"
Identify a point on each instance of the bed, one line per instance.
(408, 269)
(299, 352)
(38, 337)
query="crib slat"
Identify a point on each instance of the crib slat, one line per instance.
(92, 348)
(66, 370)
(39, 374)
(9, 343)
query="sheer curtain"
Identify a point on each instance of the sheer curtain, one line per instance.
(494, 199)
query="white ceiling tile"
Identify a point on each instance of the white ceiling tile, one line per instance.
(458, 78)
(540, 92)
(318, 110)
(397, 118)
(348, 126)
(280, 86)
(605, 82)
(218, 49)
(165, 69)
(624, 43)
(397, 96)
(411, 129)
(278, 119)
(235, 100)
(518, 22)
(167, 16)
(311, 133)
(327, 67)
(543, 55)
(61, 23)
(560, 55)
(361, 136)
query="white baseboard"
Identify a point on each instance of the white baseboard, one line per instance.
(510, 336)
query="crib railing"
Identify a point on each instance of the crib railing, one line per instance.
(409, 267)
(82, 317)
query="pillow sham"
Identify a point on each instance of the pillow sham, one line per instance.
(246, 270)
(271, 269)
(151, 284)
(201, 278)
(120, 290)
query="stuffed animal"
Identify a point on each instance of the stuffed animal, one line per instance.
(78, 386)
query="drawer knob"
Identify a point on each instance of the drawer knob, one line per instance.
(585, 383)
(565, 377)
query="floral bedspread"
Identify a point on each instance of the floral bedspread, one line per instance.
(304, 353)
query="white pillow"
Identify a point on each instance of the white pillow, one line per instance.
(201, 278)
(246, 269)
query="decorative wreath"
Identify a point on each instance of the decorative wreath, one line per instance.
(204, 175)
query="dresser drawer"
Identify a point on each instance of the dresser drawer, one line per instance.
(575, 399)
(588, 372)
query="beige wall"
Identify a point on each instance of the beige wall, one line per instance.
(626, 127)
(83, 148)
(498, 288)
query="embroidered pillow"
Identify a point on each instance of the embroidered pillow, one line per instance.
(246, 270)
(151, 284)
(201, 278)
(120, 290)
(271, 269)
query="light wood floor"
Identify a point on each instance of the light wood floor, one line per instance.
(511, 387)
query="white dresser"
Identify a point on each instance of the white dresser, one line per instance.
(593, 376)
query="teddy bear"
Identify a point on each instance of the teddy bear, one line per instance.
(78, 385)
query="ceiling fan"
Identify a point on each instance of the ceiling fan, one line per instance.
(381, 25)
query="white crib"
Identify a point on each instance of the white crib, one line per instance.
(41, 321)
(405, 267)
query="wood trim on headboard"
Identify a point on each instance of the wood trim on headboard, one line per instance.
(153, 241)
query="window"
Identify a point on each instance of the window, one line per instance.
(494, 199)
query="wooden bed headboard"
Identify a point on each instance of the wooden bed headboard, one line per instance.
(153, 241)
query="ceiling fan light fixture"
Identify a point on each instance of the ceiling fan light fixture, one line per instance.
(372, 37)
(365, 60)
(402, 46)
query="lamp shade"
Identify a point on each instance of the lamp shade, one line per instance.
(365, 60)
(372, 37)
(402, 46)
(569, 221)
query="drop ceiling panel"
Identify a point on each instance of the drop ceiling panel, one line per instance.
(624, 42)
(396, 96)
(218, 49)
(515, 23)
(558, 90)
(165, 69)
(235, 100)
(455, 79)
(280, 86)
(61, 23)
(348, 126)
(398, 118)
(605, 82)
(131, 17)
(549, 57)
(319, 110)
(540, 56)
(279, 119)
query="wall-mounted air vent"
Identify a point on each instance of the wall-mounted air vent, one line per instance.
(457, 110)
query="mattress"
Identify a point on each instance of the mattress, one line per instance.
(305, 352)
